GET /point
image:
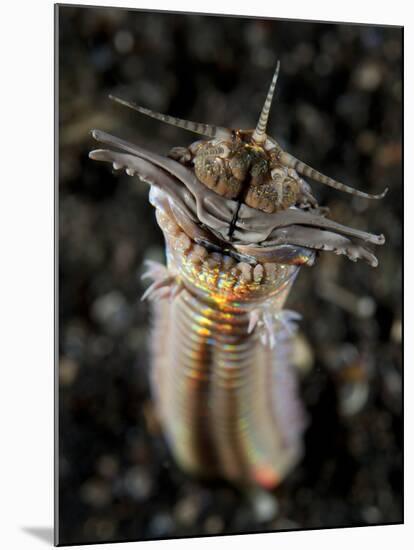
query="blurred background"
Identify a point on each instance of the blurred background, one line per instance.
(338, 108)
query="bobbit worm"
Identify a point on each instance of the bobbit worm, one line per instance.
(239, 221)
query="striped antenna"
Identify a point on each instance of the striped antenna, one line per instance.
(259, 135)
(304, 170)
(196, 127)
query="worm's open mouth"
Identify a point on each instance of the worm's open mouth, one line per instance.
(288, 237)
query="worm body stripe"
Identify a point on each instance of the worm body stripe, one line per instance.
(226, 394)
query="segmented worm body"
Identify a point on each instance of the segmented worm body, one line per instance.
(227, 395)
(238, 222)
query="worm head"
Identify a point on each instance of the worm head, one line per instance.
(240, 192)
(248, 165)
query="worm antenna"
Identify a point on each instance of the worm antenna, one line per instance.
(196, 127)
(304, 170)
(259, 135)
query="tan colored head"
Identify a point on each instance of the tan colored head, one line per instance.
(248, 165)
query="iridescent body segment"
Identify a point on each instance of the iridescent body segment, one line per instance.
(226, 393)
(238, 222)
